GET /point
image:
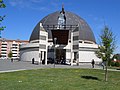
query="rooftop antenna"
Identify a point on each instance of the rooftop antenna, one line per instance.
(63, 8)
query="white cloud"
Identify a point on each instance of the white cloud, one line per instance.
(13, 3)
(20, 3)
(37, 5)
(97, 21)
(40, 8)
(16, 2)
(31, 4)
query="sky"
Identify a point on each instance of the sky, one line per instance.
(23, 15)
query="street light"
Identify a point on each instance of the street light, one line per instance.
(55, 39)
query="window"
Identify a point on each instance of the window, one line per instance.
(4, 44)
(75, 38)
(4, 50)
(14, 44)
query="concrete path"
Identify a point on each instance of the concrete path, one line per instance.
(8, 66)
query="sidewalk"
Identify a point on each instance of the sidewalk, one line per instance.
(8, 66)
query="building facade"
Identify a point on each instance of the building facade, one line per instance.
(63, 37)
(10, 45)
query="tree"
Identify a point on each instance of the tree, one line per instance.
(2, 5)
(106, 48)
(10, 54)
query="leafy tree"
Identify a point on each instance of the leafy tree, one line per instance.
(106, 48)
(10, 54)
(2, 5)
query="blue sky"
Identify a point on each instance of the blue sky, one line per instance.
(23, 15)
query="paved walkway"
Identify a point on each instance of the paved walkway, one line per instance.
(8, 66)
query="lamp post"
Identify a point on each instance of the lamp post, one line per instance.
(55, 39)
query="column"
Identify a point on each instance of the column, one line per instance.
(45, 56)
(71, 47)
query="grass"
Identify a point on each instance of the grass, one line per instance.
(59, 79)
(113, 67)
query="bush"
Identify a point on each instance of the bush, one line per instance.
(117, 64)
(112, 63)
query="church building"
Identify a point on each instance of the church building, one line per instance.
(61, 37)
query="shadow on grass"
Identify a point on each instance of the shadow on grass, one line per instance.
(90, 77)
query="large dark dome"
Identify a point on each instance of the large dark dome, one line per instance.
(85, 32)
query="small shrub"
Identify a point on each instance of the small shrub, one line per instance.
(112, 63)
(117, 64)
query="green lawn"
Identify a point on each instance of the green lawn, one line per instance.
(113, 67)
(59, 79)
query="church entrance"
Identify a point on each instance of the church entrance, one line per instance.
(60, 56)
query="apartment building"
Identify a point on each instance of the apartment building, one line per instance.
(7, 45)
